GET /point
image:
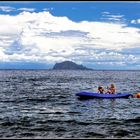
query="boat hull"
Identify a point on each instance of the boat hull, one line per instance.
(91, 95)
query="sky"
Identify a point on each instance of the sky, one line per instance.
(99, 35)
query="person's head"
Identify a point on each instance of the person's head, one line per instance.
(137, 95)
(112, 86)
(100, 88)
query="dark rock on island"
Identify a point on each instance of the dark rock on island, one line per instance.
(69, 65)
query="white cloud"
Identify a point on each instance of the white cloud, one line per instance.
(27, 9)
(48, 9)
(7, 8)
(105, 12)
(46, 38)
(10, 9)
(117, 18)
(137, 21)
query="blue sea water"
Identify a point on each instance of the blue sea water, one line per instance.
(42, 104)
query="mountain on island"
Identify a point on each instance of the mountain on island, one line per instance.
(69, 65)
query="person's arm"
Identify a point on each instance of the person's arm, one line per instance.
(113, 91)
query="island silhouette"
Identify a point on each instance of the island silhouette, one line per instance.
(69, 65)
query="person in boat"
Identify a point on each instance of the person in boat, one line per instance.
(101, 89)
(111, 89)
(137, 95)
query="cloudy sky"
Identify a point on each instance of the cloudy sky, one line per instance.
(99, 35)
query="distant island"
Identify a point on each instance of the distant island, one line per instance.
(69, 65)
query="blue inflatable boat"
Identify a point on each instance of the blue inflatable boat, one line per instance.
(90, 95)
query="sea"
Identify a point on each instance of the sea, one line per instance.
(43, 104)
